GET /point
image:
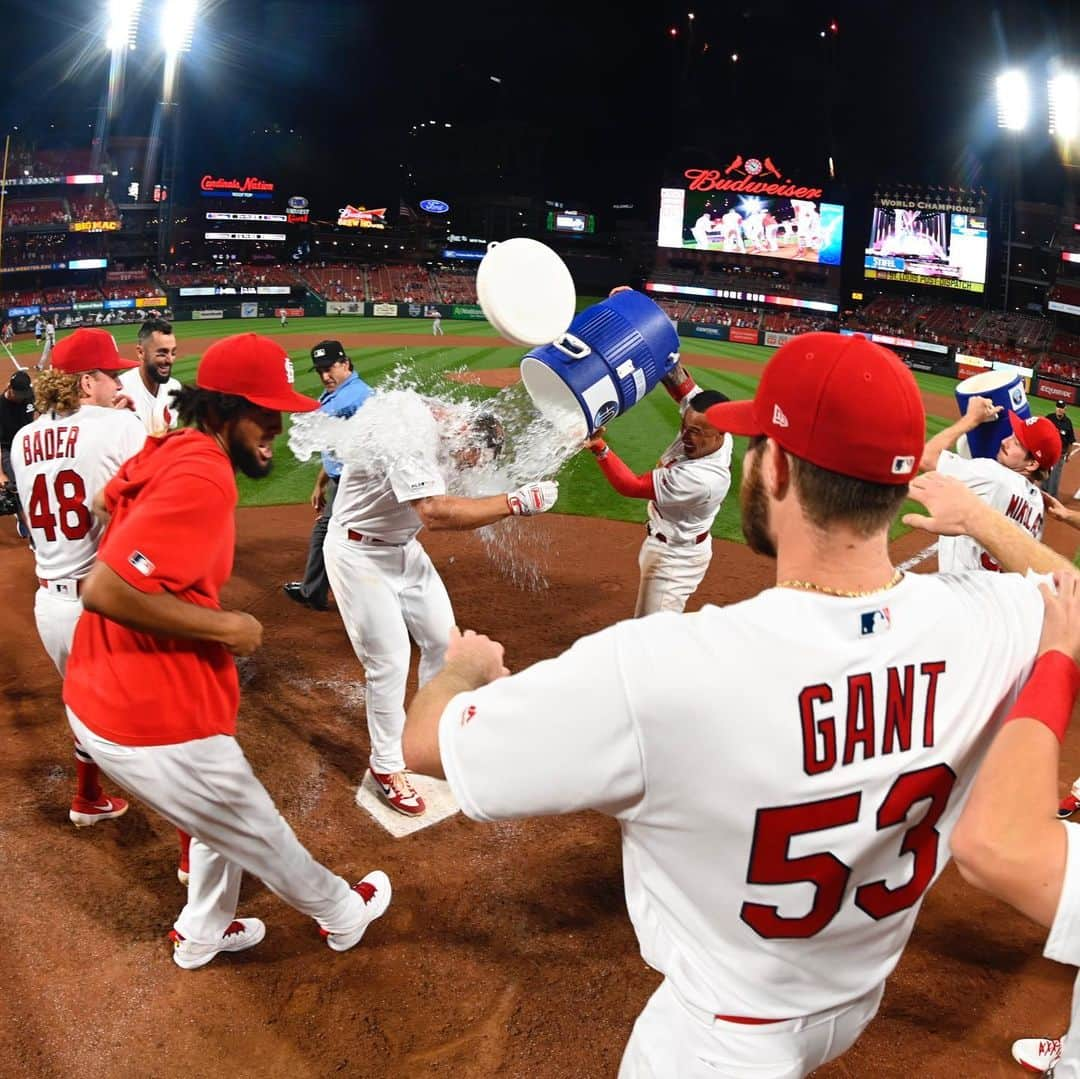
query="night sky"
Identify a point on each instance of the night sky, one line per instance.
(595, 98)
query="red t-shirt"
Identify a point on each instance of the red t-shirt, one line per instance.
(172, 530)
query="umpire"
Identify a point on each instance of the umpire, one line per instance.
(1068, 440)
(343, 393)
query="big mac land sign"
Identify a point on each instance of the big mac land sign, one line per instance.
(751, 176)
(249, 188)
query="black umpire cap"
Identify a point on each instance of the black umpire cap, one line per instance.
(326, 354)
(22, 389)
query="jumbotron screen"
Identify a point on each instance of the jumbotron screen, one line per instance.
(922, 243)
(573, 221)
(808, 230)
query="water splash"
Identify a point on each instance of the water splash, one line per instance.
(419, 414)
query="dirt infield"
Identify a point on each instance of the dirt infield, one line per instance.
(507, 950)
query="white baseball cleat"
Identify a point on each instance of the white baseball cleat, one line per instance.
(242, 933)
(1037, 1055)
(375, 891)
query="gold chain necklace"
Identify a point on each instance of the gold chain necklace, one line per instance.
(809, 586)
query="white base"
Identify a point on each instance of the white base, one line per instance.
(437, 796)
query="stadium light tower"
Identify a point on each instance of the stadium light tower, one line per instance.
(1013, 100)
(123, 30)
(1063, 95)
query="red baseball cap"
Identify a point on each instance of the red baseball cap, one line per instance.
(253, 367)
(839, 402)
(89, 350)
(1039, 437)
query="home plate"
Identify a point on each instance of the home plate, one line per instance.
(437, 796)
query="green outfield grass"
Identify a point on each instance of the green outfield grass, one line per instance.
(638, 437)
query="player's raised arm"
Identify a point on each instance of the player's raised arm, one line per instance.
(957, 511)
(452, 513)
(979, 410)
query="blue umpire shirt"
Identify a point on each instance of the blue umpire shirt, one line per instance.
(342, 401)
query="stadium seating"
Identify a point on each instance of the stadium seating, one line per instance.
(35, 213)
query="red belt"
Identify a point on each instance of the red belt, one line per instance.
(663, 539)
(48, 584)
(747, 1021)
(360, 537)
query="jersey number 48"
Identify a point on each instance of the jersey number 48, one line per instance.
(771, 861)
(71, 512)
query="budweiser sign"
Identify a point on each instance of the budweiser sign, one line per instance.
(752, 176)
(247, 186)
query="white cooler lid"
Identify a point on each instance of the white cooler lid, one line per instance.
(525, 290)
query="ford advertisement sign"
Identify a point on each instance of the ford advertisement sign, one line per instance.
(434, 206)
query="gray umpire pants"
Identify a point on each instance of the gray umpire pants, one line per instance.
(1053, 481)
(315, 585)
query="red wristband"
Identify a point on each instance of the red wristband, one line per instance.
(1050, 693)
(684, 388)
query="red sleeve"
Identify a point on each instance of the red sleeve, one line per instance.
(623, 480)
(169, 539)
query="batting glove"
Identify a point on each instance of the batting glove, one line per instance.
(533, 498)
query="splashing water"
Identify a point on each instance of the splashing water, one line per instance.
(415, 414)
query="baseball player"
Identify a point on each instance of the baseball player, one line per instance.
(387, 588)
(150, 386)
(1008, 841)
(436, 326)
(284, 318)
(1009, 483)
(834, 724)
(49, 332)
(700, 229)
(685, 493)
(344, 391)
(154, 623)
(60, 462)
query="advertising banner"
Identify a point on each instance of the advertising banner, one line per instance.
(151, 301)
(384, 310)
(55, 308)
(900, 342)
(116, 305)
(715, 332)
(775, 340)
(207, 314)
(94, 226)
(344, 307)
(93, 305)
(17, 312)
(1056, 391)
(249, 309)
(466, 310)
(290, 312)
(271, 290)
(743, 335)
(251, 187)
(125, 275)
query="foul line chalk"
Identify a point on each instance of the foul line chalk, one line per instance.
(916, 559)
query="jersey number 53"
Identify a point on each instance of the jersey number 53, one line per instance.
(771, 862)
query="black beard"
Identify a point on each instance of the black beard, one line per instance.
(247, 460)
(755, 511)
(157, 376)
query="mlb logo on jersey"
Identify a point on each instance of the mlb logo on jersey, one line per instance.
(141, 563)
(875, 621)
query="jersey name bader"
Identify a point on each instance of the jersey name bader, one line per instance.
(50, 444)
(909, 702)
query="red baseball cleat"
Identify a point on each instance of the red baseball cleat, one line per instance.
(1069, 805)
(400, 793)
(1037, 1054)
(85, 813)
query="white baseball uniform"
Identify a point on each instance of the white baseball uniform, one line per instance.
(387, 589)
(1007, 491)
(60, 463)
(786, 772)
(689, 494)
(1063, 946)
(156, 410)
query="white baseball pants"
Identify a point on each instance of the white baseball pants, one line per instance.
(674, 1040)
(385, 595)
(207, 788)
(669, 574)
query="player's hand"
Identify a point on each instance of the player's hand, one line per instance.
(243, 634)
(595, 442)
(533, 498)
(1054, 507)
(619, 288)
(477, 658)
(318, 498)
(1061, 616)
(950, 503)
(122, 401)
(982, 409)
